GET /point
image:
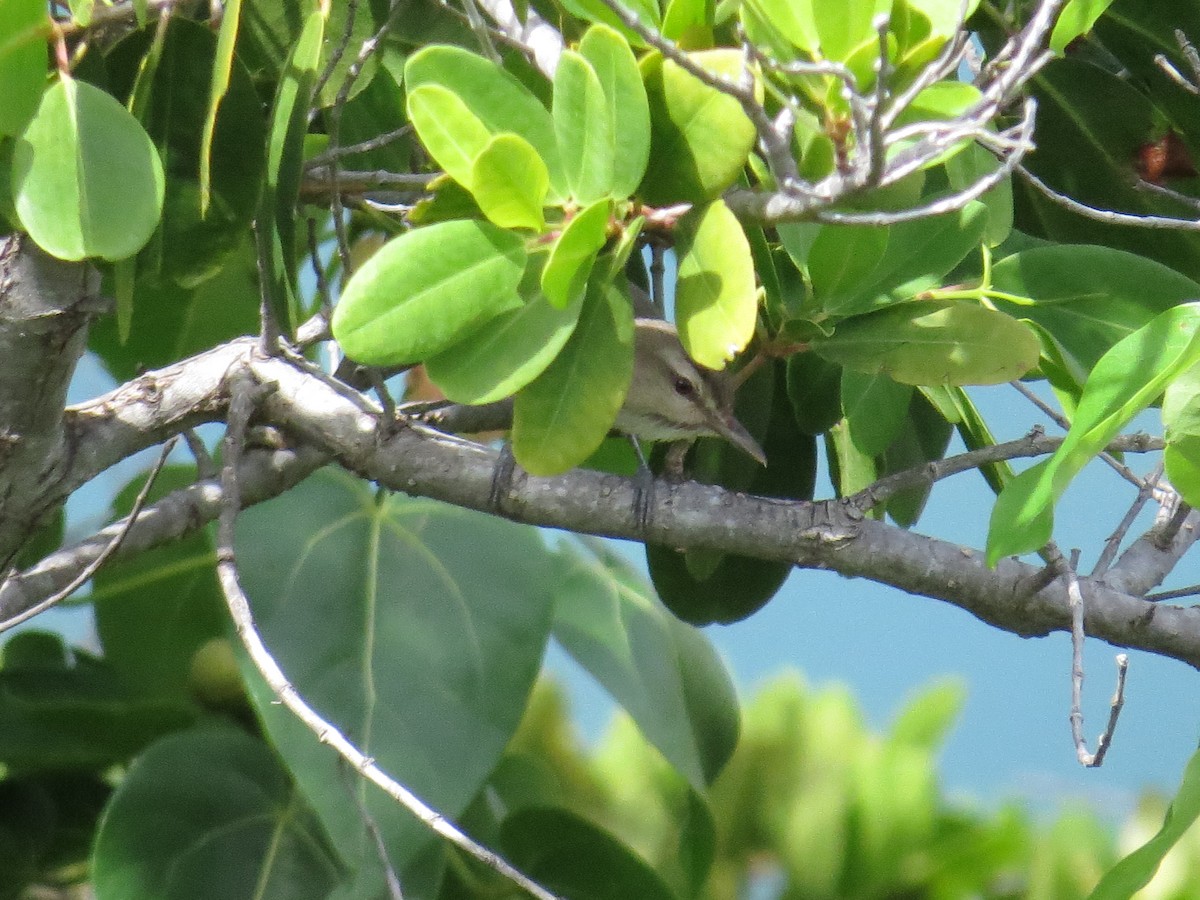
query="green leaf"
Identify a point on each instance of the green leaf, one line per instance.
(664, 673)
(23, 30)
(1134, 872)
(276, 230)
(509, 181)
(967, 168)
(876, 407)
(595, 11)
(934, 342)
(845, 27)
(840, 259)
(427, 289)
(87, 180)
(918, 255)
(506, 354)
(562, 852)
(495, 97)
(1076, 19)
(451, 133)
(814, 387)
(926, 719)
(850, 469)
(563, 416)
(1181, 422)
(574, 253)
(584, 128)
(386, 614)
(793, 19)
(626, 106)
(689, 23)
(1089, 297)
(716, 302)
(205, 814)
(700, 137)
(1126, 380)
(69, 711)
(924, 437)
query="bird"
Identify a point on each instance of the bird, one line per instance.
(670, 398)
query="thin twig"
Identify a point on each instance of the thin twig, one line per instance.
(395, 892)
(1108, 216)
(1075, 599)
(244, 397)
(1113, 544)
(340, 50)
(375, 143)
(114, 545)
(1189, 591)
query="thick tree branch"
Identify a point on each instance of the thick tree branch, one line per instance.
(830, 535)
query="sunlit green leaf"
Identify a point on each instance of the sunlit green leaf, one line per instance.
(562, 417)
(427, 289)
(451, 133)
(716, 301)
(626, 106)
(509, 181)
(1077, 18)
(934, 342)
(875, 407)
(700, 137)
(584, 128)
(87, 180)
(572, 256)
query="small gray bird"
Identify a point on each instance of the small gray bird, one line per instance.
(670, 398)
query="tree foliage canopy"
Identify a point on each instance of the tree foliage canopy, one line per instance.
(260, 212)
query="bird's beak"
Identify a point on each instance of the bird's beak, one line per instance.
(735, 432)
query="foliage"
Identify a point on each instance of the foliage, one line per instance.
(393, 183)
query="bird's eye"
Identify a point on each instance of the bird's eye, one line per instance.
(684, 388)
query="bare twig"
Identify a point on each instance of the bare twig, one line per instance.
(1069, 571)
(114, 545)
(1192, 84)
(245, 395)
(339, 51)
(1113, 544)
(1108, 216)
(375, 143)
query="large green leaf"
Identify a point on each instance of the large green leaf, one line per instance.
(840, 258)
(793, 19)
(450, 131)
(1181, 423)
(1089, 297)
(63, 709)
(494, 96)
(573, 254)
(506, 354)
(87, 180)
(23, 30)
(917, 256)
(387, 615)
(1077, 133)
(563, 416)
(626, 105)
(584, 128)
(207, 814)
(845, 27)
(563, 852)
(934, 342)
(1077, 18)
(427, 289)
(595, 11)
(664, 673)
(716, 302)
(875, 406)
(509, 181)
(1126, 380)
(700, 137)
